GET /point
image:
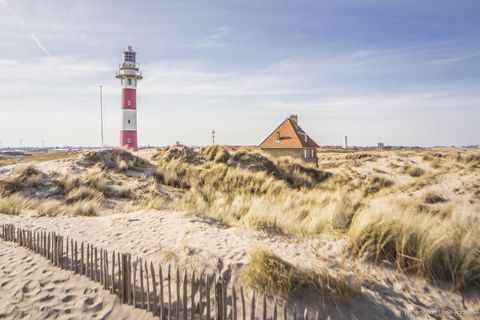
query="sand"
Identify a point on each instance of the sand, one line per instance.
(201, 244)
(31, 288)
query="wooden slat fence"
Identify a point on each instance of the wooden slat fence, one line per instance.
(143, 285)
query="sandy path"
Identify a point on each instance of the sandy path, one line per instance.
(191, 239)
(31, 288)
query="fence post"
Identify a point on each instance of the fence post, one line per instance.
(82, 268)
(96, 265)
(142, 291)
(48, 247)
(234, 303)
(105, 273)
(160, 280)
(192, 311)
(305, 314)
(125, 277)
(113, 273)
(66, 254)
(120, 282)
(154, 285)
(177, 309)
(169, 293)
(72, 255)
(148, 285)
(244, 311)
(295, 312)
(76, 257)
(135, 264)
(207, 285)
(224, 298)
(215, 298)
(88, 267)
(101, 268)
(264, 305)
(217, 292)
(252, 307)
(275, 309)
(200, 291)
(61, 252)
(129, 277)
(184, 304)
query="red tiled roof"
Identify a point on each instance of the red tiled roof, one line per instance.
(291, 136)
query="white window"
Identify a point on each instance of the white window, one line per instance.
(305, 154)
(312, 153)
(129, 81)
(277, 137)
(129, 102)
(129, 140)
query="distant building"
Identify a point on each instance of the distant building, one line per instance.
(345, 142)
(288, 139)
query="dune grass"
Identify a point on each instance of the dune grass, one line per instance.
(274, 276)
(426, 232)
(21, 178)
(435, 247)
(15, 204)
(118, 159)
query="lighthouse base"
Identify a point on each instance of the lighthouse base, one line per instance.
(128, 139)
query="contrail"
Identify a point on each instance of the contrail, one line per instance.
(38, 43)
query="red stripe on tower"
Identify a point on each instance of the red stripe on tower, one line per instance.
(129, 74)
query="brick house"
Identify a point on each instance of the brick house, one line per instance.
(288, 139)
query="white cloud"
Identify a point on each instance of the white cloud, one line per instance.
(215, 39)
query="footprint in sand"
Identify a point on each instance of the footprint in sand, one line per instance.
(46, 298)
(68, 298)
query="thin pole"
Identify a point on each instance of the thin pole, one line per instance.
(101, 113)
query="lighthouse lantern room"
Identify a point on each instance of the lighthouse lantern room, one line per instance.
(129, 74)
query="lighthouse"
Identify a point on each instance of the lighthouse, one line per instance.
(129, 74)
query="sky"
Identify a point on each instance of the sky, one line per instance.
(398, 72)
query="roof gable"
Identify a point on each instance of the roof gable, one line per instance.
(291, 136)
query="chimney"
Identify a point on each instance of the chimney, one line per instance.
(294, 118)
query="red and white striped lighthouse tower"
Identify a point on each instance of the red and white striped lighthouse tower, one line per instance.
(129, 74)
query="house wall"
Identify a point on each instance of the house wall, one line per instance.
(297, 153)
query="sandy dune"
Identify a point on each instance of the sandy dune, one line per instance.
(199, 243)
(31, 288)
(212, 245)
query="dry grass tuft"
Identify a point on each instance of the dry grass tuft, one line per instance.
(96, 179)
(20, 179)
(51, 208)
(433, 246)
(432, 197)
(216, 153)
(14, 204)
(415, 171)
(82, 193)
(274, 276)
(180, 153)
(376, 183)
(114, 159)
